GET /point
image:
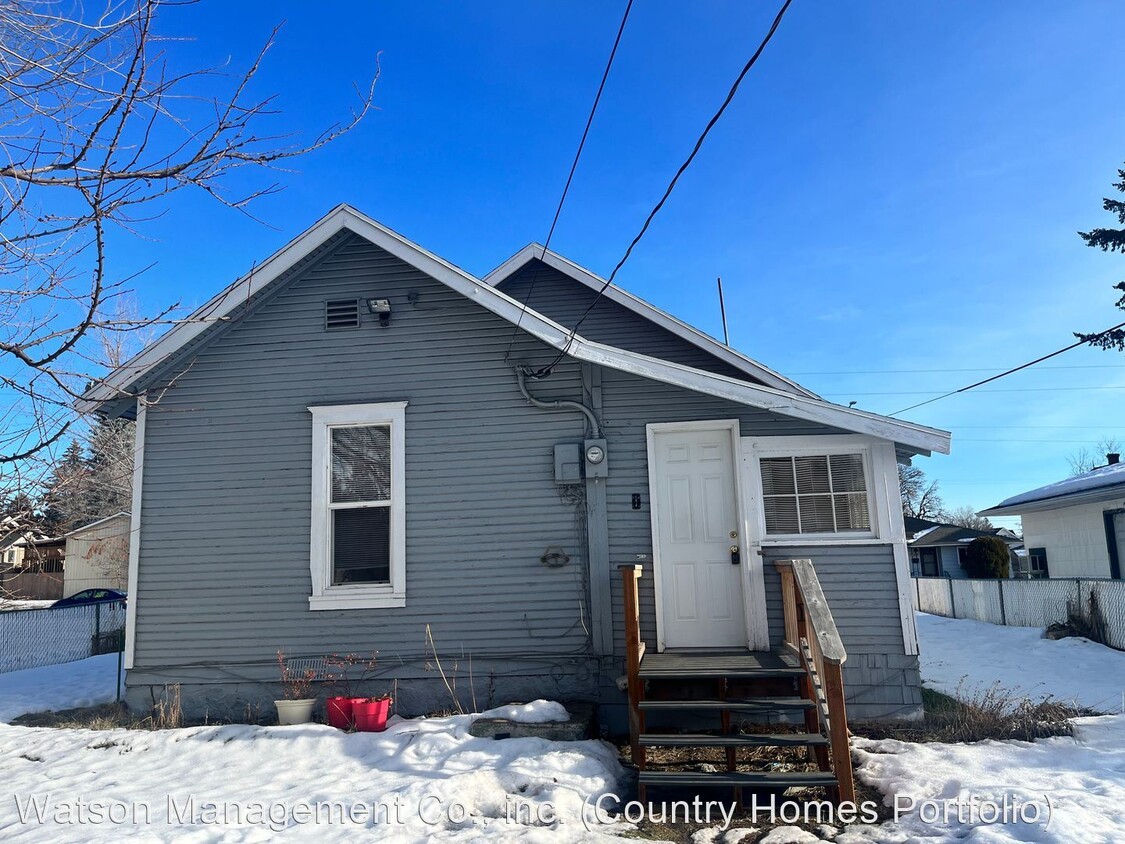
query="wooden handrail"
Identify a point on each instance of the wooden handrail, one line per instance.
(810, 631)
(634, 652)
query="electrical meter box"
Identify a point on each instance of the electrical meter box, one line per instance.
(568, 463)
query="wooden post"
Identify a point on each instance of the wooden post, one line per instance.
(1003, 613)
(789, 605)
(838, 730)
(629, 577)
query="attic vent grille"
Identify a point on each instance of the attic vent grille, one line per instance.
(341, 313)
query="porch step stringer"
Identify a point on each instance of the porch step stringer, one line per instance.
(747, 684)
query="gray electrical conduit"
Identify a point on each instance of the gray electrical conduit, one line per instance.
(521, 374)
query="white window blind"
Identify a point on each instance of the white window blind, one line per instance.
(824, 493)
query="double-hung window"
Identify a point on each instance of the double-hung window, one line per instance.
(815, 490)
(358, 548)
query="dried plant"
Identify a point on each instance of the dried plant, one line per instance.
(341, 668)
(295, 685)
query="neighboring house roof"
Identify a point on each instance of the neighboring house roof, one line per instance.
(954, 535)
(94, 524)
(130, 377)
(536, 252)
(916, 526)
(1104, 484)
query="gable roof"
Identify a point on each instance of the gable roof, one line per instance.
(754, 369)
(129, 378)
(955, 535)
(1104, 484)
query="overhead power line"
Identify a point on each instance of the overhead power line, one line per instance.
(1090, 388)
(573, 166)
(967, 369)
(1014, 369)
(671, 186)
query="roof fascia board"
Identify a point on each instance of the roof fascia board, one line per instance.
(766, 398)
(649, 311)
(100, 521)
(1090, 496)
(539, 326)
(115, 383)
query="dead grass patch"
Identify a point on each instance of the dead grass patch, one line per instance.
(991, 713)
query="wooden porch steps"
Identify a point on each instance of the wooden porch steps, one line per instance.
(744, 779)
(762, 705)
(733, 740)
(801, 682)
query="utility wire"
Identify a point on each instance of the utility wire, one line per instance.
(1014, 369)
(668, 191)
(573, 168)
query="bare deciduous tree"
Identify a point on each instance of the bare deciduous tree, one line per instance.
(98, 129)
(920, 497)
(967, 517)
(1086, 459)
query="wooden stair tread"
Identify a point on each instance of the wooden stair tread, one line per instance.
(760, 704)
(774, 779)
(735, 740)
(696, 665)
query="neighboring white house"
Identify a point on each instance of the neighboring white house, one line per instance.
(97, 555)
(1075, 527)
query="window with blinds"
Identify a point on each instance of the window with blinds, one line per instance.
(815, 494)
(360, 504)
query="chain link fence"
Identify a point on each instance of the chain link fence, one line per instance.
(35, 637)
(1098, 606)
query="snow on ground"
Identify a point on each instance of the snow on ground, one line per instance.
(1063, 790)
(975, 655)
(536, 712)
(425, 780)
(419, 773)
(420, 780)
(65, 686)
(1060, 790)
(8, 604)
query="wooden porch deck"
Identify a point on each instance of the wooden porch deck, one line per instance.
(704, 664)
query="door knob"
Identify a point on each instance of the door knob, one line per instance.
(735, 556)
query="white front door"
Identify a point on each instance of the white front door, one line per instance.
(696, 522)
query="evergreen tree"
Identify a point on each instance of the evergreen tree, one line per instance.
(1109, 240)
(109, 486)
(63, 505)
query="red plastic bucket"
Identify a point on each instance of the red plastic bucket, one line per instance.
(371, 715)
(340, 711)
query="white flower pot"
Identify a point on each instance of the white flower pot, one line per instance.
(294, 711)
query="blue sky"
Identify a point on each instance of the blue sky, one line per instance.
(891, 200)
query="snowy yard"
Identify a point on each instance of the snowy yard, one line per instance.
(430, 780)
(973, 655)
(420, 780)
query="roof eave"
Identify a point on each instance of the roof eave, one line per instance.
(1091, 496)
(535, 251)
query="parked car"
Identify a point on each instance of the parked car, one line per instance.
(90, 596)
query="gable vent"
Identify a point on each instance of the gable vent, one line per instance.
(342, 313)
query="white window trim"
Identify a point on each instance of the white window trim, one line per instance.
(355, 596)
(757, 449)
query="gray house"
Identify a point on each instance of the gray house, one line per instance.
(359, 441)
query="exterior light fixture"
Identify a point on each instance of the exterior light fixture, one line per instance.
(381, 308)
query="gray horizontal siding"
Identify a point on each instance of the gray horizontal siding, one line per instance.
(224, 573)
(565, 300)
(629, 404)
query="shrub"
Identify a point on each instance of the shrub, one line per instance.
(988, 556)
